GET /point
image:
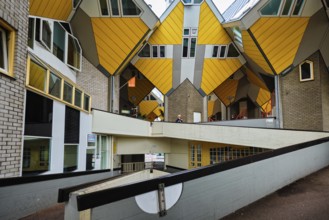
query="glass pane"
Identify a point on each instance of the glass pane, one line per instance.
(155, 51)
(287, 6)
(55, 85)
(115, 7)
(46, 34)
(86, 103)
(145, 52)
(187, 1)
(70, 157)
(68, 90)
(59, 41)
(271, 8)
(199, 153)
(215, 51)
(186, 32)
(104, 8)
(77, 98)
(36, 155)
(90, 160)
(162, 51)
(75, 3)
(37, 76)
(3, 50)
(306, 71)
(222, 51)
(129, 8)
(232, 51)
(104, 153)
(193, 43)
(30, 33)
(185, 47)
(197, 1)
(298, 7)
(37, 29)
(73, 53)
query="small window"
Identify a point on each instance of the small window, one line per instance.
(7, 45)
(215, 51)
(306, 71)
(37, 77)
(222, 52)
(232, 51)
(194, 31)
(298, 7)
(162, 51)
(190, 2)
(3, 51)
(46, 34)
(192, 47)
(287, 7)
(129, 8)
(145, 52)
(271, 8)
(186, 32)
(155, 51)
(185, 47)
(68, 91)
(70, 158)
(104, 7)
(30, 42)
(55, 85)
(73, 53)
(77, 98)
(59, 41)
(115, 8)
(86, 102)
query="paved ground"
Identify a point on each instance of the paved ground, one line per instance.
(306, 199)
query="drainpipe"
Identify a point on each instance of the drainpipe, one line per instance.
(278, 113)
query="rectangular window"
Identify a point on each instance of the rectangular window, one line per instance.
(104, 7)
(55, 85)
(77, 98)
(7, 47)
(46, 34)
(192, 47)
(222, 52)
(186, 32)
(155, 51)
(90, 159)
(3, 51)
(298, 7)
(115, 8)
(215, 51)
(129, 8)
(287, 7)
(30, 41)
(162, 51)
(26, 157)
(199, 155)
(68, 92)
(306, 71)
(72, 126)
(192, 156)
(185, 47)
(86, 102)
(73, 53)
(38, 76)
(70, 158)
(59, 41)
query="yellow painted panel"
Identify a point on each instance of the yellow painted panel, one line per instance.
(254, 79)
(116, 38)
(37, 77)
(279, 38)
(171, 30)
(147, 106)
(226, 91)
(210, 29)
(142, 88)
(253, 52)
(263, 97)
(211, 105)
(55, 9)
(216, 71)
(267, 107)
(158, 71)
(159, 111)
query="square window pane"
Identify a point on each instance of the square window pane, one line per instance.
(70, 157)
(77, 98)
(38, 76)
(86, 102)
(162, 51)
(155, 51)
(186, 32)
(104, 7)
(55, 85)
(59, 41)
(129, 8)
(68, 91)
(115, 7)
(145, 52)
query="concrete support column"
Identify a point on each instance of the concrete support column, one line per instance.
(114, 94)
(278, 112)
(205, 109)
(223, 110)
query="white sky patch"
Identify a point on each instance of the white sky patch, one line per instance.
(158, 6)
(222, 5)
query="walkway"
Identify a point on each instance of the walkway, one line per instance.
(306, 199)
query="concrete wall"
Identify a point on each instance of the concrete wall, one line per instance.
(178, 156)
(255, 123)
(12, 90)
(301, 101)
(217, 195)
(130, 145)
(21, 200)
(95, 83)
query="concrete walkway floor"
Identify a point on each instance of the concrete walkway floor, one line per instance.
(305, 199)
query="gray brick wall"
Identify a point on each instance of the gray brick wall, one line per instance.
(12, 90)
(324, 93)
(302, 101)
(92, 81)
(184, 100)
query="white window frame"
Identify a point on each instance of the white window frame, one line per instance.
(311, 71)
(120, 8)
(191, 3)
(66, 54)
(151, 51)
(5, 50)
(294, 6)
(220, 46)
(51, 35)
(189, 43)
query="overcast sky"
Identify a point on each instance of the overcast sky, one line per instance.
(159, 6)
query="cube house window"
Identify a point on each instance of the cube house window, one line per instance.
(306, 71)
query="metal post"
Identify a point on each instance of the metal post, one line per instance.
(162, 200)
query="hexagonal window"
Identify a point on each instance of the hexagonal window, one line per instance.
(306, 71)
